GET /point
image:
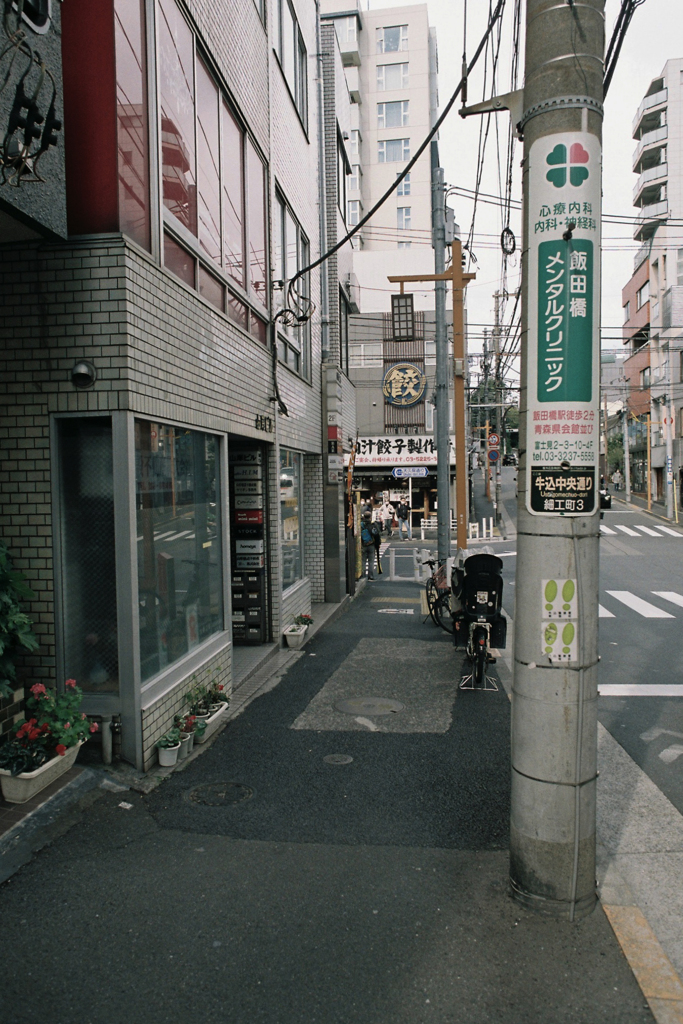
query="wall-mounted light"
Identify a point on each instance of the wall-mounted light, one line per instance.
(83, 375)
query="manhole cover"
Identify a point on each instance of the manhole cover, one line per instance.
(337, 759)
(220, 794)
(369, 706)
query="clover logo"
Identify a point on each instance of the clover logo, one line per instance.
(578, 158)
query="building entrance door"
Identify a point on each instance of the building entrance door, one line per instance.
(247, 464)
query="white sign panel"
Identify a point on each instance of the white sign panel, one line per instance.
(563, 364)
(416, 450)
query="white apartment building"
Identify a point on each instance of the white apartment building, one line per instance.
(390, 60)
(653, 298)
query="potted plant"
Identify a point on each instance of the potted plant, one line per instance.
(46, 744)
(295, 635)
(217, 696)
(168, 747)
(199, 700)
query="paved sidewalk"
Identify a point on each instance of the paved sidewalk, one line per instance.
(264, 883)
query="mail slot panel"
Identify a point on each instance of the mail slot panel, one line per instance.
(253, 615)
(239, 598)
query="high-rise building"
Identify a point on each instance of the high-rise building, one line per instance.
(653, 298)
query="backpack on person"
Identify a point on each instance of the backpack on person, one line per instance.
(402, 511)
(366, 534)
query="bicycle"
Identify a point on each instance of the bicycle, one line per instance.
(438, 592)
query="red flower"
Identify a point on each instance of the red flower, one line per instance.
(94, 727)
(45, 727)
(60, 749)
(221, 687)
(37, 689)
(71, 683)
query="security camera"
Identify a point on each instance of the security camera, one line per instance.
(83, 375)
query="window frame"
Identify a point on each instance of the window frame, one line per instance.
(403, 188)
(404, 113)
(298, 87)
(357, 212)
(258, 311)
(402, 39)
(403, 218)
(642, 293)
(343, 172)
(300, 514)
(381, 76)
(382, 151)
(293, 343)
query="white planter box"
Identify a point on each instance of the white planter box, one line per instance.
(18, 789)
(295, 636)
(212, 723)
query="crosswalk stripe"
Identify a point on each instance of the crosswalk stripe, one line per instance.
(163, 536)
(628, 530)
(667, 529)
(606, 529)
(647, 530)
(640, 690)
(177, 536)
(604, 614)
(670, 595)
(644, 608)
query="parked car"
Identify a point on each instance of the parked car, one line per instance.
(509, 459)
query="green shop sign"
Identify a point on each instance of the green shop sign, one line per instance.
(565, 321)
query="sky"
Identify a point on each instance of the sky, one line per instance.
(655, 36)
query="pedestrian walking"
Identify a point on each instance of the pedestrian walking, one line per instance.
(617, 479)
(387, 513)
(368, 532)
(403, 516)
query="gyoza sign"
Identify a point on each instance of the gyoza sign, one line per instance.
(397, 451)
(563, 374)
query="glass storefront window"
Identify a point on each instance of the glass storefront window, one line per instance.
(291, 483)
(88, 570)
(176, 75)
(180, 578)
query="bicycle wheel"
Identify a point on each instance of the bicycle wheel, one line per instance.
(432, 593)
(479, 658)
(442, 611)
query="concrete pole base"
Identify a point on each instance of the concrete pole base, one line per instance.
(535, 866)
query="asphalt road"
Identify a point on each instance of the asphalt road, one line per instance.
(641, 637)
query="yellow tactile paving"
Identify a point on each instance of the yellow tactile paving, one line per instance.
(395, 600)
(652, 968)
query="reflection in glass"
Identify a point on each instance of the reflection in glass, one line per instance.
(86, 524)
(179, 261)
(208, 180)
(131, 115)
(177, 115)
(257, 222)
(233, 197)
(290, 514)
(211, 289)
(179, 542)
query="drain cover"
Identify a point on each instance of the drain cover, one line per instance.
(337, 759)
(369, 706)
(220, 794)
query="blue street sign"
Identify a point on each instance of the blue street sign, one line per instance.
(403, 472)
(494, 455)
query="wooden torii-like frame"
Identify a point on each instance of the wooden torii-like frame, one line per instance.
(459, 280)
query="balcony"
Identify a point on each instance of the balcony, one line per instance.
(652, 178)
(642, 254)
(648, 142)
(353, 83)
(649, 106)
(649, 218)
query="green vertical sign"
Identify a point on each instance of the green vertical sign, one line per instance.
(565, 321)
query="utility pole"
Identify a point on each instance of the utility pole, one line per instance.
(627, 456)
(497, 392)
(668, 417)
(443, 467)
(554, 699)
(459, 281)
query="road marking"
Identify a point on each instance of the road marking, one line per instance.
(506, 554)
(628, 530)
(604, 614)
(670, 595)
(647, 530)
(606, 529)
(671, 754)
(640, 689)
(163, 536)
(652, 968)
(395, 611)
(177, 536)
(667, 529)
(644, 608)
(655, 732)
(395, 600)
(366, 721)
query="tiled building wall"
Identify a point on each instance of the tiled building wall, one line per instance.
(314, 538)
(157, 718)
(296, 601)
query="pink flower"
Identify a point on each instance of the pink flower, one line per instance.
(67, 725)
(37, 689)
(83, 716)
(71, 683)
(94, 727)
(60, 749)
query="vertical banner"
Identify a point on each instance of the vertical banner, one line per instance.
(563, 376)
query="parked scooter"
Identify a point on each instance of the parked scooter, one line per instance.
(478, 622)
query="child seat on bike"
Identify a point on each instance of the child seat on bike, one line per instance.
(478, 591)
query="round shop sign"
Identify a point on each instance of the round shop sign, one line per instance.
(404, 384)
